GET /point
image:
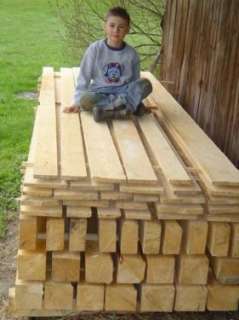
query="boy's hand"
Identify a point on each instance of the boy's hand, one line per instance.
(71, 109)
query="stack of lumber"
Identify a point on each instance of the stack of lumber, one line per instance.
(134, 215)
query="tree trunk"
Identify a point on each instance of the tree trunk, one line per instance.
(200, 61)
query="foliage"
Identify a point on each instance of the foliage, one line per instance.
(83, 20)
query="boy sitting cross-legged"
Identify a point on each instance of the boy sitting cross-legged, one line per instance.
(109, 81)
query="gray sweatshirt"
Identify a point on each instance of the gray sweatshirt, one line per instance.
(103, 68)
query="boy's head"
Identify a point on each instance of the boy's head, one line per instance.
(116, 26)
(118, 12)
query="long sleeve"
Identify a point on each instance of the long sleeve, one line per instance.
(85, 74)
(136, 69)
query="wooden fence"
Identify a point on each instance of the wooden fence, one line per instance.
(200, 66)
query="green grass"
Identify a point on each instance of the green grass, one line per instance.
(29, 40)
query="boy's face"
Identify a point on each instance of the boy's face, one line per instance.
(116, 29)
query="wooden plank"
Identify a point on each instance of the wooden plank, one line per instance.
(131, 205)
(116, 196)
(73, 162)
(145, 198)
(159, 298)
(137, 214)
(41, 211)
(30, 181)
(222, 218)
(47, 87)
(31, 265)
(121, 297)
(168, 216)
(78, 212)
(195, 236)
(226, 270)
(135, 160)
(197, 142)
(222, 297)
(180, 209)
(45, 162)
(86, 204)
(219, 239)
(108, 213)
(226, 200)
(100, 148)
(75, 195)
(179, 200)
(20, 312)
(37, 192)
(65, 267)
(39, 202)
(33, 143)
(219, 191)
(172, 237)
(90, 186)
(142, 189)
(193, 269)
(129, 236)
(107, 235)
(163, 152)
(223, 209)
(57, 77)
(28, 294)
(190, 298)
(55, 234)
(160, 269)
(58, 296)
(90, 297)
(98, 266)
(130, 269)
(28, 233)
(150, 236)
(77, 234)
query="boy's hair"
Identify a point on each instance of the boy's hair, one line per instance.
(118, 12)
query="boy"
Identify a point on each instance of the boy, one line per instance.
(109, 81)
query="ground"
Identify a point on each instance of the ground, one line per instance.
(8, 250)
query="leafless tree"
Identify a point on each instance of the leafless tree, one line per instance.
(83, 21)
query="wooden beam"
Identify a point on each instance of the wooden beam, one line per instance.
(90, 297)
(158, 298)
(100, 148)
(73, 162)
(207, 156)
(121, 297)
(45, 162)
(163, 152)
(134, 157)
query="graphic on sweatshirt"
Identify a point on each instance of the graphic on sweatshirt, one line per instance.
(112, 72)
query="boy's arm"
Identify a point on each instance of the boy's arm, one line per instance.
(136, 68)
(85, 75)
(83, 80)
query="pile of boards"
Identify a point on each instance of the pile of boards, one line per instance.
(134, 215)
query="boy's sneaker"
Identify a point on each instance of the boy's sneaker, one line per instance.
(141, 110)
(101, 114)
